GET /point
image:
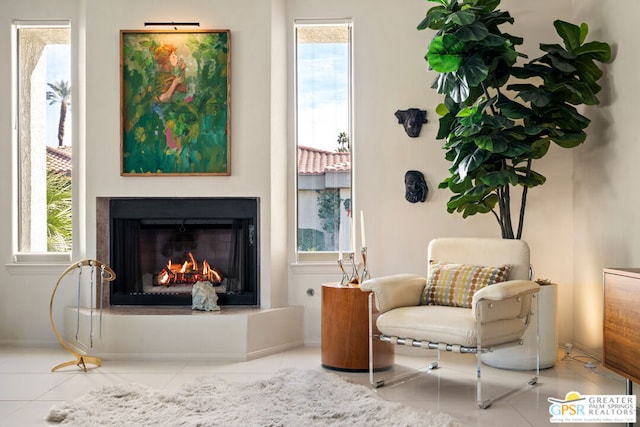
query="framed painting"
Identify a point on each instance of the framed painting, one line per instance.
(175, 102)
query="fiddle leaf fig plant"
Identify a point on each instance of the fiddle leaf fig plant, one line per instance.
(501, 111)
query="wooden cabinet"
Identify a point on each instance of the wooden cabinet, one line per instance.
(345, 331)
(621, 333)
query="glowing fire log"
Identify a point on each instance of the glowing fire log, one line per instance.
(194, 264)
(187, 272)
(163, 277)
(211, 274)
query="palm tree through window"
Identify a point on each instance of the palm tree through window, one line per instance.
(44, 138)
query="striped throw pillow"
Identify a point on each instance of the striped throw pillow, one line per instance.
(454, 284)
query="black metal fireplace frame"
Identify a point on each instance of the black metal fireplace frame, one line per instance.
(188, 210)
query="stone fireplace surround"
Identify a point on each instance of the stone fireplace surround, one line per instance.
(234, 333)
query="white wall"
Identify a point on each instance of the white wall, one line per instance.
(24, 291)
(258, 137)
(390, 74)
(606, 173)
(251, 122)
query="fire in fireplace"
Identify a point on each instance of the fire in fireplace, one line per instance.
(160, 248)
(187, 272)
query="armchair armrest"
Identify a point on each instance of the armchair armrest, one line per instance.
(504, 300)
(400, 290)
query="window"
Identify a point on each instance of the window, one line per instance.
(43, 137)
(323, 136)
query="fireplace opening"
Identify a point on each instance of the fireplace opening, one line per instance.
(159, 248)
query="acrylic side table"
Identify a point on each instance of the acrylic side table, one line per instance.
(345, 331)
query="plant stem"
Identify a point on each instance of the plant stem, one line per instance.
(491, 106)
(523, 202)
(508, 227)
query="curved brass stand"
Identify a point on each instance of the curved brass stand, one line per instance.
(80, 360)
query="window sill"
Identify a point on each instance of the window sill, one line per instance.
(42, 258)
(318, 267)
(39, 263)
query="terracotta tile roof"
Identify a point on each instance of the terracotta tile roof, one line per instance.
(59, 159)
(312, 161)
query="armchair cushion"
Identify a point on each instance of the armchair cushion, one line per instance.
(453, 325)
(455, 284)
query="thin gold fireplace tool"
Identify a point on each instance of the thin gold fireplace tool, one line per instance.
(106, 274)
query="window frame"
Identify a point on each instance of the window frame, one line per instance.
(23, 257)
(302, 257)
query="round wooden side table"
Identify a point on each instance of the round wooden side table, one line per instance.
(345, 331)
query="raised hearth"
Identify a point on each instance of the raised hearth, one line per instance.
(234, 333)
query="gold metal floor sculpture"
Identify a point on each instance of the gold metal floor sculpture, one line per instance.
(106, 275)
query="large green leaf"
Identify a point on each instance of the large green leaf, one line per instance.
(442, 109)
(445, 53)
(584, 30)
(488, 5)
(588, 71)
(558, 50)
(472, 209)
(561, 64)
(462, 17)
(446, 123)
(595, 50)
(516, 149)
(570, 33)
(501, 177)
(457, 187)
(493, 145)
(496, 18)
(568, 139)
(475, 70)
(453, 86)
(540, 148)
(532, 179)
(493, 41)
(471, 162)
(566, 117)
(434, 19)
(459, 91)
(537, 96)
(529, 70)
(460, 202)
(512, 109)
(473, 32)
(497, 122)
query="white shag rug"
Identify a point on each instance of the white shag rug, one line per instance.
(290, 398)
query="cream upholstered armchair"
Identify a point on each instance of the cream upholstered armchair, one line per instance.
(477, 296)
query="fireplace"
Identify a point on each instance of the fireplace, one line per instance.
(160, 247)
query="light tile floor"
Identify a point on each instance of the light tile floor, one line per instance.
(28, 388)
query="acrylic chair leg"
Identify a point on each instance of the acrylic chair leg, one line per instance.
(372, 380)
(481, 403)
(484, 404)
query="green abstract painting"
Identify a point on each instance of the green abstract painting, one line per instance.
(175, 95)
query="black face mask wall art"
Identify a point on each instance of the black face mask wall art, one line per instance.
(415, 187)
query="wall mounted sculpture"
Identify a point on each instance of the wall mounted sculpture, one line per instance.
(412, 120)
(416, 189)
